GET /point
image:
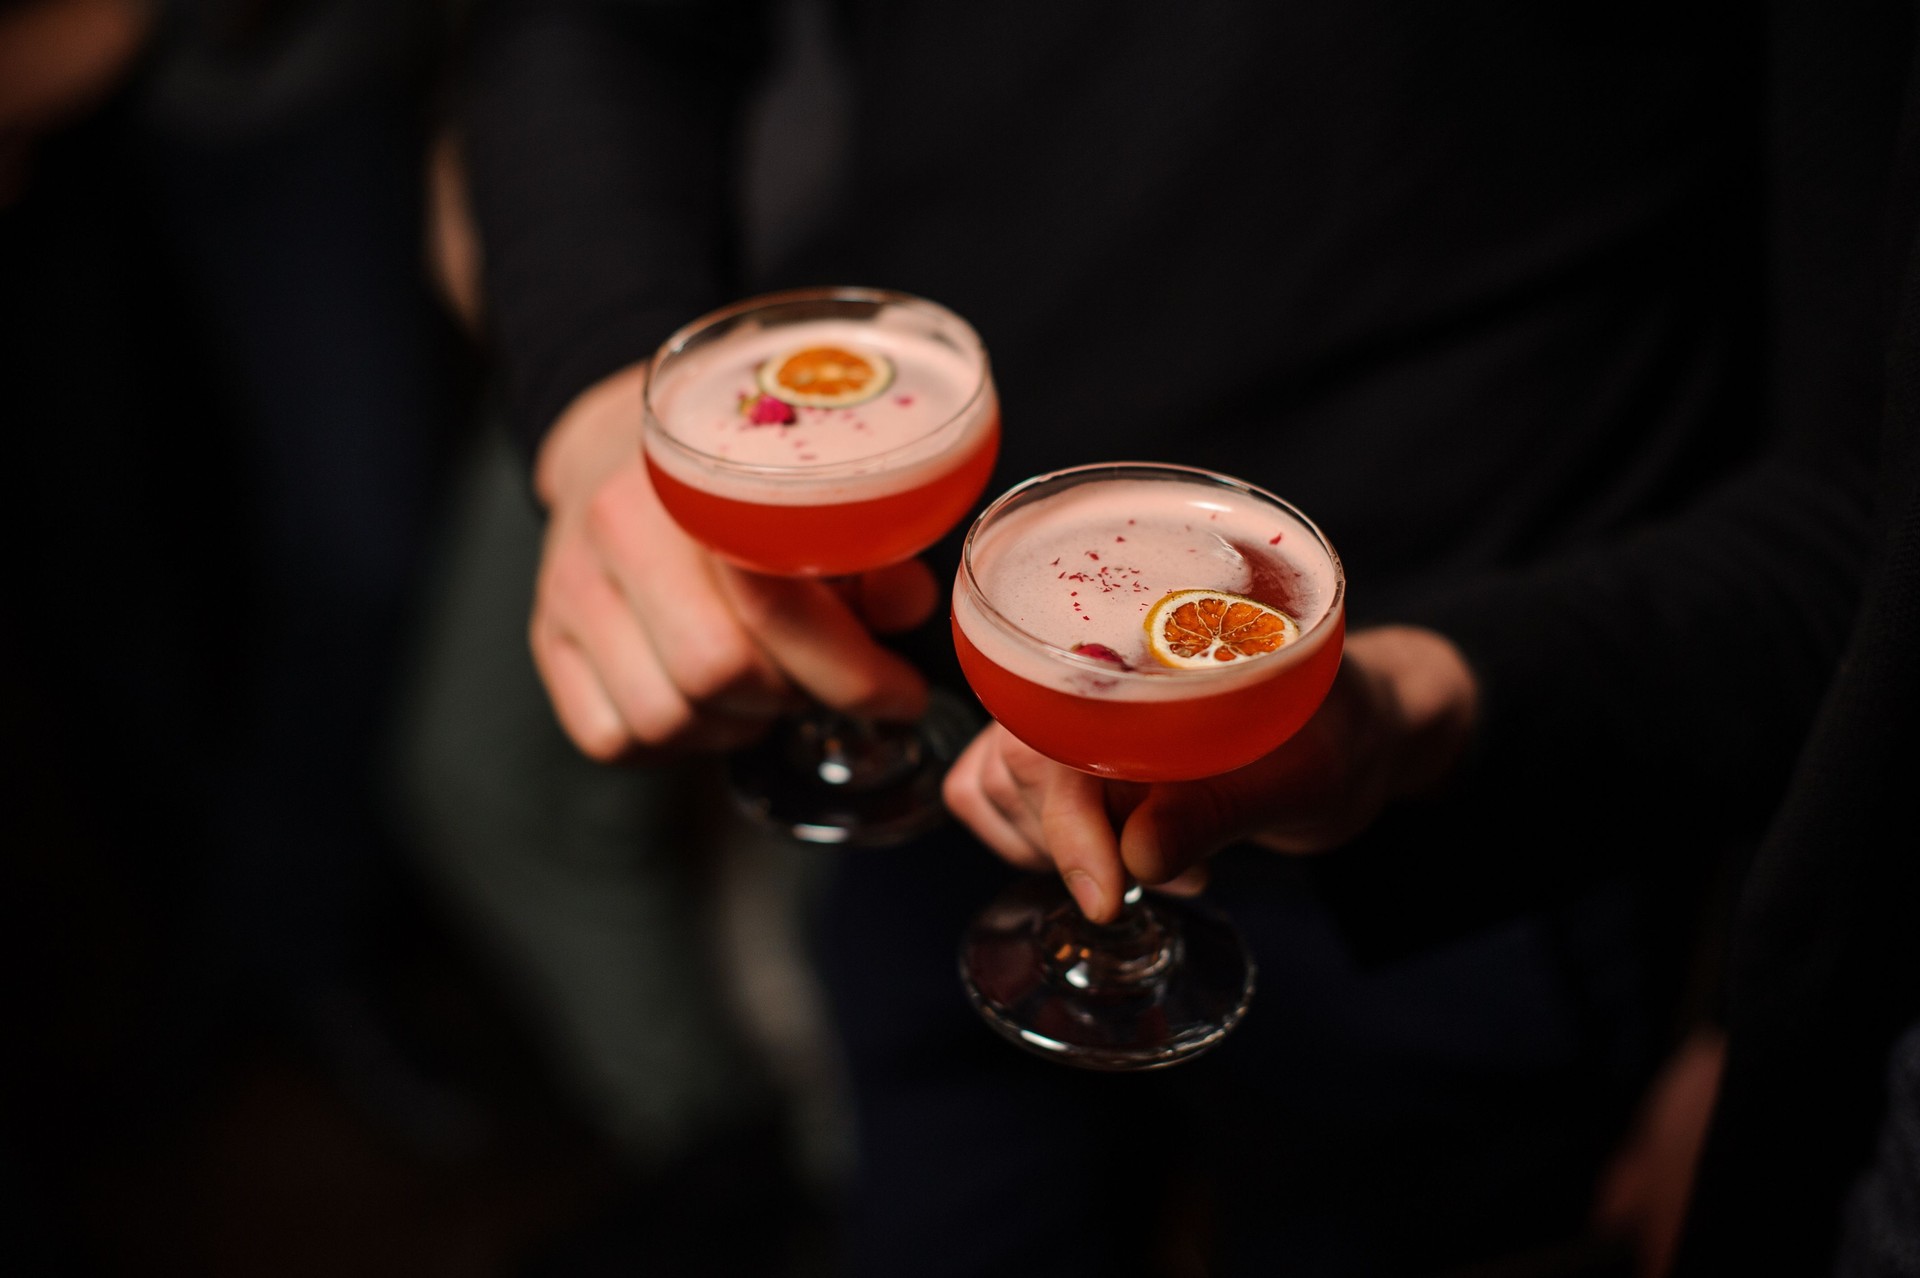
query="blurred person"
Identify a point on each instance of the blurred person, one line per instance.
(604, 900)
(649, 938)
(285, 145)
(89, 345)
(1476, 288)
(240, 387)
(1803, 1089)
(1812, 1157)
(59, 59)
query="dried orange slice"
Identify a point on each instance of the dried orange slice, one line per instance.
(826, 376)
(1202, 629)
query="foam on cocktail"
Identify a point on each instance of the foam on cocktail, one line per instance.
(1087, 564)
(937, 405)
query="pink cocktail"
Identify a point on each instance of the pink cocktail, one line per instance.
(1059, 578)
(823, 433)
(1150, 623)
(789, 480)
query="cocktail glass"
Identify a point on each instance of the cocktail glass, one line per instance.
(825, 433)
(1058, 582)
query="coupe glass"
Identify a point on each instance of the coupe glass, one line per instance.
(1059, 582)
(824, 433)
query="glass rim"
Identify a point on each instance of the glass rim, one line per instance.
(653, 429)
(1145, 470)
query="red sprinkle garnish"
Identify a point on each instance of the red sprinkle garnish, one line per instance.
(766, 410)
(1101, 653)
(1275, 539)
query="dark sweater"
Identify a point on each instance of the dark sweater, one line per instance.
(1478, 287)
(1551, 317)
(1821, 1092)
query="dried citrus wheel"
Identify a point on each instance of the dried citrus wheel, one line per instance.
(826, 376)
(1201, 629)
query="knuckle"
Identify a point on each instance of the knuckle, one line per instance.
(563, 577)
(708, 671)
(1025, 766)
(658, 721)
(604, 516)
(966, 799)
(1001, 790)
(601, 743)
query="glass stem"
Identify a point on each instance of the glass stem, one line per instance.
(1119, 958)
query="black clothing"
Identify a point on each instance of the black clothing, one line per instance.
(1272, 239)
(1758, 578)
(1825, 965)
(1474, 290)
(1881, 1234)
(1477, 287)
(1824, 976)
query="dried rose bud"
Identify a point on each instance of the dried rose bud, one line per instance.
(767, 410)
(1100, 652)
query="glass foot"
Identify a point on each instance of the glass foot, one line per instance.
(830, 778)
(1165, 982)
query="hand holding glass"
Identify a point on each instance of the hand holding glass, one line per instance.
(1140, 622)
(825, 433)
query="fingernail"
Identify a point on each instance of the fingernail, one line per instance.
(1086, 893)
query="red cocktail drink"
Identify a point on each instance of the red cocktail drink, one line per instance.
(1176, 740)
(1060, 582)
(1146, 623)
(822, 433)
(832, 538)
(799, 438)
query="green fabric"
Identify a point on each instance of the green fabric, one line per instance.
(594, 887)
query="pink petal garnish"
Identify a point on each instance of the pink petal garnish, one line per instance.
(770, 411)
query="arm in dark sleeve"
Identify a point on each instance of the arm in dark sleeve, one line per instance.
(1647, 699)
(601, 142)
(1643, 700)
